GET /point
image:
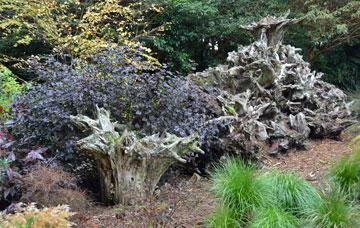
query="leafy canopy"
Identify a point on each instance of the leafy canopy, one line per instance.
(70, 26)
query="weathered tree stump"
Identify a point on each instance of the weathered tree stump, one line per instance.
(129, 168)
(277, 100)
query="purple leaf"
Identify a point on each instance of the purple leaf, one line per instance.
(7, 192)
(7, 145)
(35, 155)
(11, 157)
(10, 173)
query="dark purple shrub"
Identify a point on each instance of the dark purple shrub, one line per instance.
(147, 100)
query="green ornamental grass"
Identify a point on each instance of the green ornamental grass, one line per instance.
(279, 199)
(356, 152)
(333, 210)
(274, 217)
(224, 217)
(238, 186)
(290, 191)
(346, 174)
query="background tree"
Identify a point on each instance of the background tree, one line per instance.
(70, 27)
(187, 34)
(329, 36)
(205, 30)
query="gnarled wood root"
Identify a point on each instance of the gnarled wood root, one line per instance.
(129, 167)
(278, 101)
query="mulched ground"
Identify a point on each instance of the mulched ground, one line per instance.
(187, 201)
(312, 163)
(184, 204)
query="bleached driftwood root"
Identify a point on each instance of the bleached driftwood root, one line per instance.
(130, 168)
(278, 101)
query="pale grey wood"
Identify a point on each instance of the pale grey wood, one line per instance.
(129, 168)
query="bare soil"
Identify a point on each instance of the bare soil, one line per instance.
(187, 202)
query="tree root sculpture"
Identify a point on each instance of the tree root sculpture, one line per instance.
(129, 168)
(278, 101)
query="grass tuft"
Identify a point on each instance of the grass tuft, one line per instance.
(346, 174)
(224, 217)
(278, 199)
(238, 186)
(290, 191)
(333, 210)
(274, 217)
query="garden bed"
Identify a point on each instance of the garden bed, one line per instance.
(187, 202)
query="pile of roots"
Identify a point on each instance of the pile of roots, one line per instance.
(272, 101)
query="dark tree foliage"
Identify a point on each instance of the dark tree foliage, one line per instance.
(341, 66)
(204, 31)
(151, 101)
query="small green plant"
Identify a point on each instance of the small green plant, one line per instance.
(346, 174)
(237, 185)
(230, 110)
(274, 217)
(29, 221)
(224, 217)
(333, 210)
(9, 87)
(291, 192)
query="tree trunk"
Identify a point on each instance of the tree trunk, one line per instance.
(129, 168)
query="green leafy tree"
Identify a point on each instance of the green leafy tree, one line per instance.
(189, 29)
(72, 27)
(34, 27)
(330, 36)
(204, 31)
